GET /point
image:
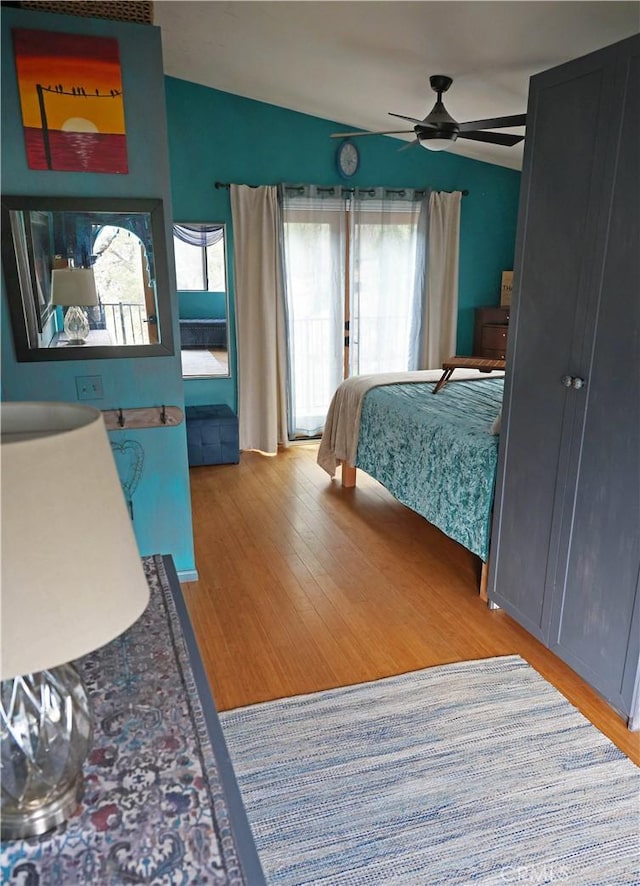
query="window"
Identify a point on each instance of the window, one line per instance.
(315, 288)
(351, 267)
(122, 279)
(384, 258)
(200, 259)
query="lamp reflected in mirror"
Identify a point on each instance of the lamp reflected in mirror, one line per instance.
(74, 289)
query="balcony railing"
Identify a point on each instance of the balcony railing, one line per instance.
(318, 359)
(126, 322)
(313, 343)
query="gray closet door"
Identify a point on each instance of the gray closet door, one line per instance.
(597, 585)
(565, 551)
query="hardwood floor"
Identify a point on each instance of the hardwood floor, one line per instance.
(305, 586)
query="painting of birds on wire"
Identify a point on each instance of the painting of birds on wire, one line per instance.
(72, 103)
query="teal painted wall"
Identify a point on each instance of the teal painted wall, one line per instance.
(196, 305)
(216, 136)
(162, 504)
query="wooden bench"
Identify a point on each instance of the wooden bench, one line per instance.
(479, 363)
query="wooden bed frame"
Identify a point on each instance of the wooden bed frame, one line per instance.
(349, 473)
(337, 444)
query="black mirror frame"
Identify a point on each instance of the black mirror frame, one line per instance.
(27, 354)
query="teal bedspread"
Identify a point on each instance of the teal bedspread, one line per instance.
(436, 454)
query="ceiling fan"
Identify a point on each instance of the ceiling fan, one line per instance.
(438, 129)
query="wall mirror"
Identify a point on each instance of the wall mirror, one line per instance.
(100, 261)
(201, 278)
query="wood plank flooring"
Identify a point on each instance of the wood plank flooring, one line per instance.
(304, 585)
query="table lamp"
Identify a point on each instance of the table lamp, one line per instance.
(75, 289)
(72, 580)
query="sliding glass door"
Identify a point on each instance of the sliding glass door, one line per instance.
(351, 267)
(384, 251)
(314, 271)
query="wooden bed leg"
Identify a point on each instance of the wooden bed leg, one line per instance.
(348, 475)
(484, 581)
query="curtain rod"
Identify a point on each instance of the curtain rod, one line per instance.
(219, 185)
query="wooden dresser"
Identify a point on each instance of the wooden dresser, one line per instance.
(490, 332)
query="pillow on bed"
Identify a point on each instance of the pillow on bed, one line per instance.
(497, 423)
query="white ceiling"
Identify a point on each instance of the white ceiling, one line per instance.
(353, 62)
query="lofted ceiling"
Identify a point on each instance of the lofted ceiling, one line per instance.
(353, 62)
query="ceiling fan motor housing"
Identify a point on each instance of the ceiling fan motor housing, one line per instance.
(438, 124)
(440, 82)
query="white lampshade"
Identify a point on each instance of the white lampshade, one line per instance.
(73, 286)
(72, 577)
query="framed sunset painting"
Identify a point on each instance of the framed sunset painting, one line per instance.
(71, 98)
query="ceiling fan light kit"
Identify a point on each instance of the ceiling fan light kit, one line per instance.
(438, 131)
(438, 142)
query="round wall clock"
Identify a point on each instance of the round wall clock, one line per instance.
(347, 159)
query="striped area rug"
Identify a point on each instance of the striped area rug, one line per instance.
(472, 773)
(198, 363)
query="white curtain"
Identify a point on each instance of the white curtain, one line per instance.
(314, 238)
(384, 255)
(438, 329)
(349, 254)
(260, 318)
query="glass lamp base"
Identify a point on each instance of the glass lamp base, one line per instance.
(76, 325)
(20, 824)
(45, 736)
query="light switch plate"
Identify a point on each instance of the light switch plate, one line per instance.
(89, 387)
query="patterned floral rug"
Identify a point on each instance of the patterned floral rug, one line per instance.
(155, 809)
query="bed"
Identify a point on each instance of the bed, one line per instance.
(435, 454)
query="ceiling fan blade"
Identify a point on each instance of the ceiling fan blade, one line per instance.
(493, 123)
(355, 134)
(412, 144)
(493, 138)
(412, 120)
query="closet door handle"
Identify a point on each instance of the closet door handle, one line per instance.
(571, 381)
